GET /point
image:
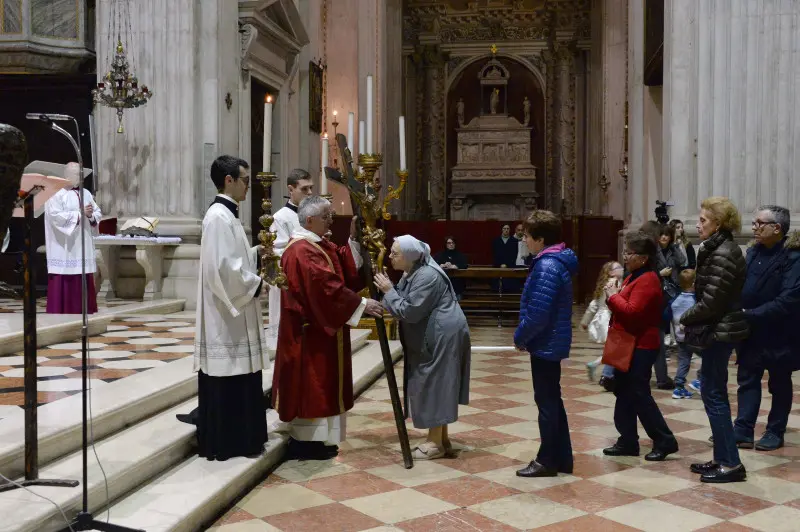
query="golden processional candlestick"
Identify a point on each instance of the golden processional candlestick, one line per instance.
(271, 271)
(365, 197)
(372, 209)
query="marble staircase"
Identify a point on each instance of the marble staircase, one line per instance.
(155, 481)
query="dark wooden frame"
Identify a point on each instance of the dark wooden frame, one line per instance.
(315, 89)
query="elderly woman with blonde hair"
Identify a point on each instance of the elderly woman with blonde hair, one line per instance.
(713, 327)
(435, 337)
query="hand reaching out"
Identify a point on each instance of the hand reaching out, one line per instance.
(373, 309)
(383, 282)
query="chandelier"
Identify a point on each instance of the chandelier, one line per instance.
(119, 88)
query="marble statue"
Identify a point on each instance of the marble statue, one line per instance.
(526, 106)
(460, 111)
(493, 101)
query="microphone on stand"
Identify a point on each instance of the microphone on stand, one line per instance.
(48, 117)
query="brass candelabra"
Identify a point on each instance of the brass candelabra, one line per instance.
(271, 271)
(372, 209)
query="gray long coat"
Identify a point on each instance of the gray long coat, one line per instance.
(435, 337)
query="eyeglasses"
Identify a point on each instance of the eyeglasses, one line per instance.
(758, 224)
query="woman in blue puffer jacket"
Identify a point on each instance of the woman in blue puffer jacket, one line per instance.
(545, 331)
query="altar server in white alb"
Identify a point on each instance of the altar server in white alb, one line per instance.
(62, 233)
(230, 348)
(300, 187)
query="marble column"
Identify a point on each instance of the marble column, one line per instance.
(735, 135)
(562, 193)
(637, 202)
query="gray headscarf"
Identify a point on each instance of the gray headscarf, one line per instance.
(418, 251)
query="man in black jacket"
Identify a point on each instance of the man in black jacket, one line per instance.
(771, 301)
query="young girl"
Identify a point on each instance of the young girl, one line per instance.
(597, 316)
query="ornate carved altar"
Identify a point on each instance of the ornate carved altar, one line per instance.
(493, 176)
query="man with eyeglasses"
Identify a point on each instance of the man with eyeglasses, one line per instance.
(312, 385)
(771, 302)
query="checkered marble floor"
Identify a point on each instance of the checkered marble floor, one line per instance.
(131, 345)
(367, 488)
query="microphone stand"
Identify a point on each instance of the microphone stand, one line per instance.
(84, 520)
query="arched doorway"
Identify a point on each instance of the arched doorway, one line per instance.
(523, 82)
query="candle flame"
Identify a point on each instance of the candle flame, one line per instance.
(335, 112)
(325, 135)
(268, 98)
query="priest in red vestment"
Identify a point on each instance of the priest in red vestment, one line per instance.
(312, 385)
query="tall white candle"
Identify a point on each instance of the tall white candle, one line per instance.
(351, 125)
(429, 190)
(324, 180)
(361, 140)
(267, 149)
(370, 116)
(402, 124)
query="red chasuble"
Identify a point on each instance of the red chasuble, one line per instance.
(313, 374)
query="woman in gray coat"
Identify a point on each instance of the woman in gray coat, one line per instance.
(435, 337)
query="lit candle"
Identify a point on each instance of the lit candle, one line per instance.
(267, 149)
(402, 123)
(370, 116)
(361, 139)
(324, 163)
(351, 125)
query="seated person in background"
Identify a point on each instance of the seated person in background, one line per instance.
(452, 259)
(504, 253)
(523, 253)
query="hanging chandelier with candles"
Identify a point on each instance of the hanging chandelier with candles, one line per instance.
(119, 88)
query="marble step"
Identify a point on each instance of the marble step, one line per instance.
(157, 448)
(59, 328)
(115, 406)
(196, 491)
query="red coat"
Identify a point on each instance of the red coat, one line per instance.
(313, 374)
(637, 309)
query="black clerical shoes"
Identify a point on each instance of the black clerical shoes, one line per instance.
(618, 450)
(536, 470)
(723, 475)
(658, 454)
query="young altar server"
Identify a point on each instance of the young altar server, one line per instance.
(312, 386)
(285, 223)
(62, 234)
(230, 349)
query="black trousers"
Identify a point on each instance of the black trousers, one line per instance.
(749, 377)
(634, 400)
(555, 451)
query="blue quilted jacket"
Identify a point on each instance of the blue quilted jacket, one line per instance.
(545, 314)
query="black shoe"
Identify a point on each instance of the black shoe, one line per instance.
(310, 450)
(618, 450)
(720, 476)
(565, 470)
(658, 455)
(702, 469)
(607, 383)
(769, 442)
(536, 470)
(668, 384)
(190, 418)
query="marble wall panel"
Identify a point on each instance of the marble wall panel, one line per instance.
(11, 16)
(55, 18)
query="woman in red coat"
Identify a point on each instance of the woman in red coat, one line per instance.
(636, 308)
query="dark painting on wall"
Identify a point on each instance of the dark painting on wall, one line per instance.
(654, 43)
(315, 97)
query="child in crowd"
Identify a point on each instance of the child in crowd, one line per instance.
(681, 304)
(597, 316)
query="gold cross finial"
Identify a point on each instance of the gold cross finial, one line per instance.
(493, 48)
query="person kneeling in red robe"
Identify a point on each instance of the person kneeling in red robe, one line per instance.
(313, 379)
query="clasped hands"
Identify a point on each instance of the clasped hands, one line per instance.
(88, 210)
(383, 282)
